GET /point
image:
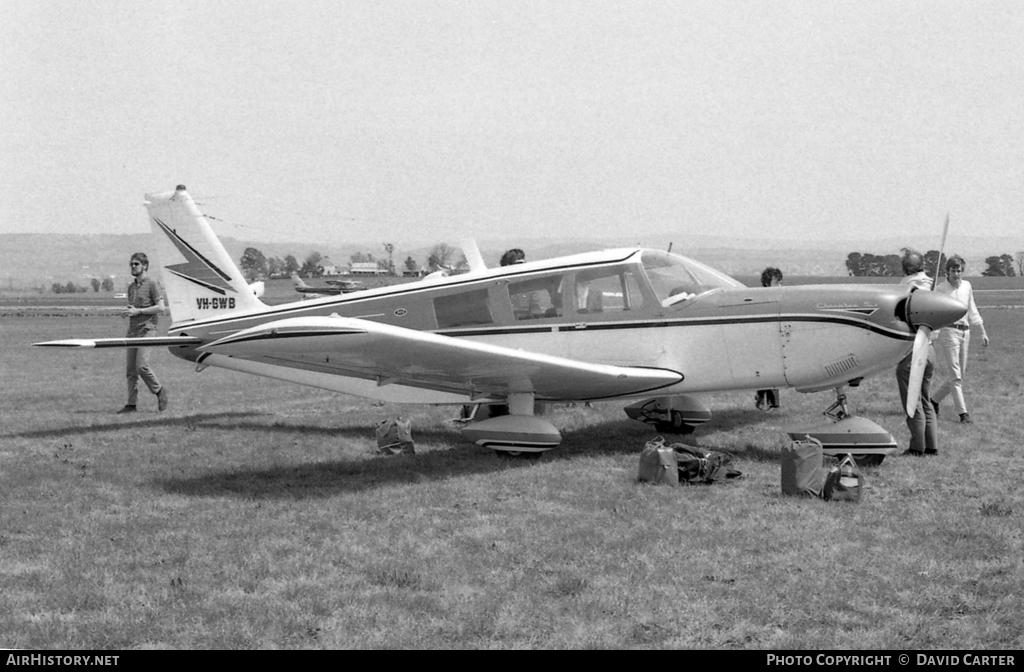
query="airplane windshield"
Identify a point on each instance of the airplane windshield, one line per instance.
(676, 278)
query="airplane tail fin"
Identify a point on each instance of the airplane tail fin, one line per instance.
(299, 283)
(198, 275)
(473, 256)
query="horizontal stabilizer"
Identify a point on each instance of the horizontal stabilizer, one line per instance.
(140, 342)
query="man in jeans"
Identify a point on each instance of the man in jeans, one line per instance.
(144, 307)
(924, 433)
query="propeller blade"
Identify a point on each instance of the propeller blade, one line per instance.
(917, 365)
(942, 248)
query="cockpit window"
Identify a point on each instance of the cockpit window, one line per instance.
(676, 278)
(607, 290)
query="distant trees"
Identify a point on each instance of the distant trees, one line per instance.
(107, 285)
(311, 268)
(282, 268)
(275, 267)
(291, 264)
(890, 265)
(440, 256)
(1000, 266)
(95, 284)
(67, 288)
(1020, 263)
(868, 264)
(253, 263)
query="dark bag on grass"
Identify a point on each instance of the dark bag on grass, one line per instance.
(394, 436)
(703, 466)
(802, 470)
(658, 464)
(843, 483)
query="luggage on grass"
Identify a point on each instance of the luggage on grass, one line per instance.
(844, 481)
(703, 466)
(802, 470)
(806, 472)
(394, 436)
(658, 463)
(678, 463)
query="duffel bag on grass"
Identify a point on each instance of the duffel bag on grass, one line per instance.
(394, 436)
(658, 464)
(802, 471)
(844, 482)
(703, 466)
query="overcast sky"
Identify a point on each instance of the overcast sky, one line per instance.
(347, 120)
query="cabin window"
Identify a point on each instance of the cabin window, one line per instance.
(536, 298)
(465, 309)
(606, 290)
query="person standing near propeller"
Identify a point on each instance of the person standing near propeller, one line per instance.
(955, 339)
(924, 439)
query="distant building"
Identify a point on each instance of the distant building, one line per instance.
(329, 268)
(367, 268)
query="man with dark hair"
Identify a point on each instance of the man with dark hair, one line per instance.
(770, 277)
(144, 307)
(513, 256)
(924, 435)
(955, 339)
(766, 399)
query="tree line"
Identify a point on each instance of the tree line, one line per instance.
(866, 264)
(254, 264)
(106, 284)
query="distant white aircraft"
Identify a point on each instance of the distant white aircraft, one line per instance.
(638, 325)
(333, 287)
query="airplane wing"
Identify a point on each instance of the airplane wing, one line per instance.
(137, 342)
(395, 355)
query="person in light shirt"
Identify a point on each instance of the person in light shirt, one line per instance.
(954, 340)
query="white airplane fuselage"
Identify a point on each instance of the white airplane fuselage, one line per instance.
(729, 338)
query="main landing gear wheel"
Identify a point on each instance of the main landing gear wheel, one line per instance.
(675, 425)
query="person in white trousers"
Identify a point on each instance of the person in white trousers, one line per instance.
(955, 340)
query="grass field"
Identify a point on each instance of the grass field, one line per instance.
(256, 514)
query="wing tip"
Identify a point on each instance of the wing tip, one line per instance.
(67, 343)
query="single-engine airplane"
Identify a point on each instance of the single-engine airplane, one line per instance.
(333, 288)
(638, 325)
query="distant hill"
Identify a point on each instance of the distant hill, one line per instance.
(39, 260)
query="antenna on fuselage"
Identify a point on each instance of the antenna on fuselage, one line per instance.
(669, 250)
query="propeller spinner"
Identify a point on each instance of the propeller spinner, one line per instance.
(927, 311)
